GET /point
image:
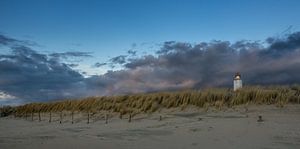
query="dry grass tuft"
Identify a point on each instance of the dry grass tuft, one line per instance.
(147, 103)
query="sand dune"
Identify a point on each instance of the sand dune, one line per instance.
(191, 128)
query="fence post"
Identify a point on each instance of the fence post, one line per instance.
(129, 120)
(50, 117)
(121, 116)
(106, 118)
(72, 117)
(60, 117)
(88, 120)
(39, 115)
(260, 119)
(31, 116)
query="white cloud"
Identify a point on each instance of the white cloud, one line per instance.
(6, 97)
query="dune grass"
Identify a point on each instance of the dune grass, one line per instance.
(151, 102)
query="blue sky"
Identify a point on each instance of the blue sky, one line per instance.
(110, 27)
(167, 35)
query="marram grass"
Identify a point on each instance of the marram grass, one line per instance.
(147, 103)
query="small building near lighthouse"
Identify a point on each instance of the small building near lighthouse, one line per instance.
(237, 82)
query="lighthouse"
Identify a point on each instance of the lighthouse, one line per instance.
(237, 82)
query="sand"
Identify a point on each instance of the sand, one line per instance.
(189, 129)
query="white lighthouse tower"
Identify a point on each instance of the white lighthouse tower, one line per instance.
(237, 82)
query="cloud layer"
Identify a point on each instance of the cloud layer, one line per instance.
(179, 65)
(31, 76)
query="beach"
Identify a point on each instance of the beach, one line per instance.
(191, 128)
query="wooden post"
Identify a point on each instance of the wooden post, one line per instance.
(121, 115)
(25, 115)
(31, 116)
(129, 120)
(60, 121)
(160, 118)
(39, 115)
(72, 117)
(88, 120)
(260, 119)
(50, 117)
(106, 118)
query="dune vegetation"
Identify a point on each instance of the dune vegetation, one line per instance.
(147, 103)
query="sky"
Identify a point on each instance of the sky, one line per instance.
(109, 47)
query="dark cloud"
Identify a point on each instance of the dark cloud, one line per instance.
(73, 65)
(179, 65)
(132, 52)
(280, 47)
(172, 46)
(143, 61)
(97, 65)
(6, 40)
(118, 59)
(66, 55)
(31, 76)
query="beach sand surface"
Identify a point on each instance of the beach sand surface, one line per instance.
(192, 128)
